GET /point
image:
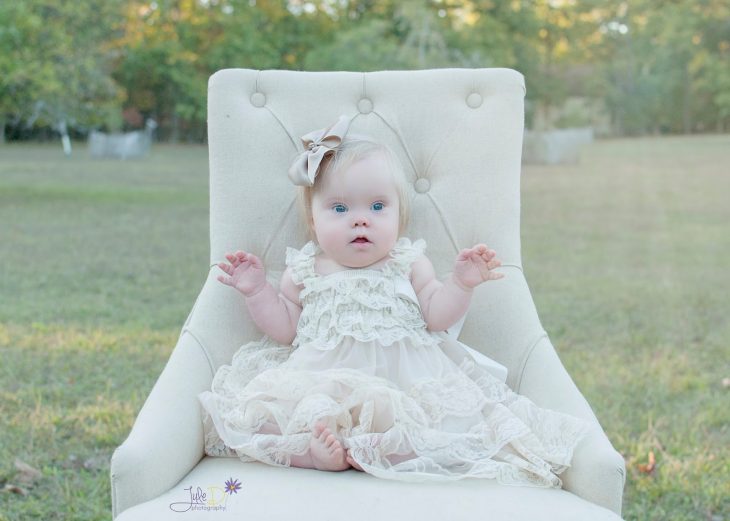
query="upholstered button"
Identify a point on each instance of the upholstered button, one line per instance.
(422, 185)
(258, 99)
(474, 100)
(365, 106)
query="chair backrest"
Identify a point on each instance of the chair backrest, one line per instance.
(458, 133)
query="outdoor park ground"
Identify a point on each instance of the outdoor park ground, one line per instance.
(626, 253)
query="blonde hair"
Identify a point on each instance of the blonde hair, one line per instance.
(352, 149)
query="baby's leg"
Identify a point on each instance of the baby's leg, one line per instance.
(269, 428)
(398, 458)
(304, 461)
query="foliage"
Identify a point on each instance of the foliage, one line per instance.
(55, 62)
(658, 67)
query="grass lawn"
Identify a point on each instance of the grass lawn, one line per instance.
(626, 254)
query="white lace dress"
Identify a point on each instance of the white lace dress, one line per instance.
(364, 363)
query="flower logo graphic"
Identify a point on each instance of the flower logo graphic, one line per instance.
(232, 486)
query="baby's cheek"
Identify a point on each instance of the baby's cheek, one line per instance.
(328, 233)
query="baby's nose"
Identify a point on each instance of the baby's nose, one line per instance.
(360, 220)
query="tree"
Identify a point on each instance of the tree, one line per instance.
(54, 64)
(169, 49)
(661, 68)
(396, 35)
(658, 66)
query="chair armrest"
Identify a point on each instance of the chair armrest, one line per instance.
(597, 472)
(166, 440)
(503, 323)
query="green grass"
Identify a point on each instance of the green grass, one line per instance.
(101, 242)
(626, 254)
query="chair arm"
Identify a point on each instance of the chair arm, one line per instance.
(166, 440)
(597, 472)
(504, 324)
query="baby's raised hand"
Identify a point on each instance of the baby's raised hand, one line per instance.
(245, 272)
(474, 266)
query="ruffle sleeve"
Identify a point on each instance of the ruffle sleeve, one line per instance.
(404, 253)
(301, 262)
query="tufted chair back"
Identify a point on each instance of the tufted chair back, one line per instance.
(458, 133)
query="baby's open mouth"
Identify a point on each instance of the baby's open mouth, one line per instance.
(361, 239)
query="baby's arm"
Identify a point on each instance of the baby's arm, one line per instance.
(444, 303)
(275, 313)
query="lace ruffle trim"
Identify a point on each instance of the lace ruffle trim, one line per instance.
(330, 340)
(359, 284)
(403, 254)
(511, 439)
(301, 262)
(359, 310)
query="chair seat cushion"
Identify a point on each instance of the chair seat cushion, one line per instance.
(288, 493)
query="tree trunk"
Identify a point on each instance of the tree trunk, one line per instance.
(65, 139)
(175, 131)
(686, 104)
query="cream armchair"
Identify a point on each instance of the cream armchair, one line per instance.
(459, 134)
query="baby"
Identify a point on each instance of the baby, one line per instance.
(363, 305)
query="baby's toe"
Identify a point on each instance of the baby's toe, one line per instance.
(318, 429)
(354, 464)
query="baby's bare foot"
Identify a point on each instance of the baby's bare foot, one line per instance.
(326, 451)
(374, 442)
(352, 462)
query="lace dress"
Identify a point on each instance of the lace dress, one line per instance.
(411, 404)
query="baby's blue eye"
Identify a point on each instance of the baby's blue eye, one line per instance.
(339, 208)
(377, 206)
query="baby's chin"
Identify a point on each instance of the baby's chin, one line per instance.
(363, 259)
(358, 256)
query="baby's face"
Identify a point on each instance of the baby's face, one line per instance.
(360, 201)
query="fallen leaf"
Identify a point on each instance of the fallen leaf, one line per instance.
(26, 475)
(15, 489)
(648, 468)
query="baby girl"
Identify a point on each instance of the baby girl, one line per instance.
(354, 369)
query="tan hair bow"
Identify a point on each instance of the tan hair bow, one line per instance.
(318, 144)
